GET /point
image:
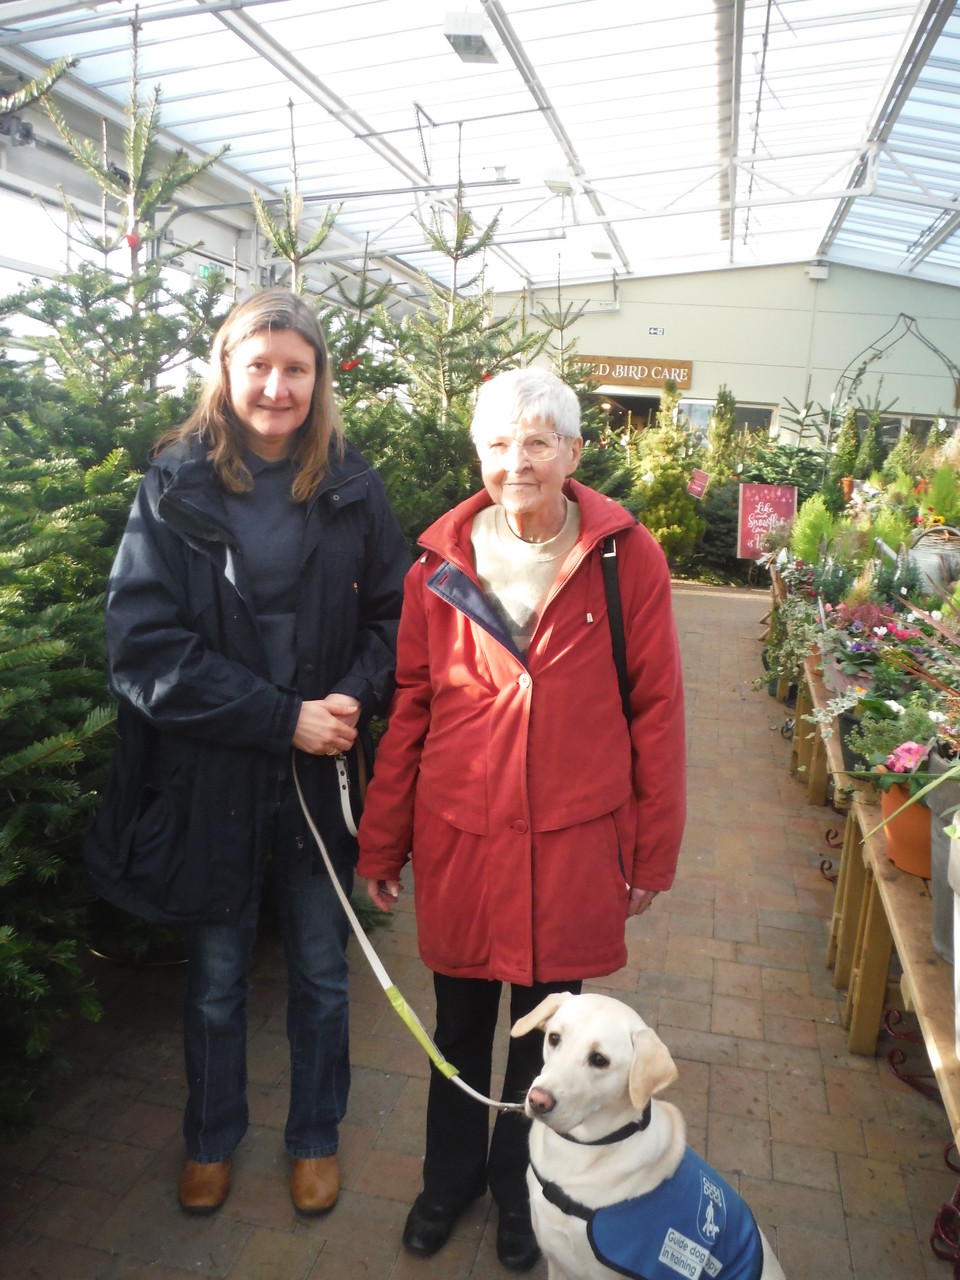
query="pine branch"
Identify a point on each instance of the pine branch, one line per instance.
(86, 154)
(28, 648)
(37, 88)
(61, 749)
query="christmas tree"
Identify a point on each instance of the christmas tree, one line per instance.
(419, 437)
(664, 461)
(65, 488)
(284, 233)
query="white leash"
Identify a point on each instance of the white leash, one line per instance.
(343, 782)
(393, 994)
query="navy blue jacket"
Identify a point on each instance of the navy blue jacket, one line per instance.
(203, 733)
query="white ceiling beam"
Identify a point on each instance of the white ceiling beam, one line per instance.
(35, 10)
(276, 56)
(73, 91)
(111, 21)
(729, 86)
(912, 198)
(364, 132)
(932, 18)
(501, 24)
(736, 85)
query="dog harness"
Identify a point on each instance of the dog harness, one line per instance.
(694, 1224)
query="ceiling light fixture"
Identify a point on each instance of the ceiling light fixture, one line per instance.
(469, 35)
(559, 183)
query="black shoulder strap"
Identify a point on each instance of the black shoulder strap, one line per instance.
(611, 583)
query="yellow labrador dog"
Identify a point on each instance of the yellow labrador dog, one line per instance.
(614, 1188)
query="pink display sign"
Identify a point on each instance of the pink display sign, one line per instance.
(698, 483)
(762, 508)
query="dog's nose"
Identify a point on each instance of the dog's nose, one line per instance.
(540, 1102)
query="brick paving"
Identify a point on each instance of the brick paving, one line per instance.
(841, 1162)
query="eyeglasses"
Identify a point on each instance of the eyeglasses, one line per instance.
(538, 446)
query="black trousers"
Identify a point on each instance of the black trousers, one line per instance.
(457, 1166)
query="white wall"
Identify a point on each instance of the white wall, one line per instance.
(771, 333)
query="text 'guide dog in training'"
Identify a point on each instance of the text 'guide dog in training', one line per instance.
(614, 1188)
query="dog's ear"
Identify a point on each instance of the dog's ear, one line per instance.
(652, 1068)
(539, 1017)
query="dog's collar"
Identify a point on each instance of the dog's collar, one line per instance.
(618, 1135)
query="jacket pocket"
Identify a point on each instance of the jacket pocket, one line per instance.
(160, 861)
(580, 898)
(160, 823)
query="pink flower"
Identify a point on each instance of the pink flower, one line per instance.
(901, 633)
(906, 757)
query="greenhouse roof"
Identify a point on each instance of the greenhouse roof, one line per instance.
(606, 138)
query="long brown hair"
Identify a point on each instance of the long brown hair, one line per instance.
(214, 421)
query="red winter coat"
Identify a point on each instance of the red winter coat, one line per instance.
(512, 782)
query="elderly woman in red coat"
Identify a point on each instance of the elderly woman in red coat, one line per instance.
(536, 817)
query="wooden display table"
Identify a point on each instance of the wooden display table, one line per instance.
(878, 908)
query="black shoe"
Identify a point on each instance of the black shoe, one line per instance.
(517, 1246)
(428, 1226)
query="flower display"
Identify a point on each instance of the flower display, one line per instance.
(867, 604)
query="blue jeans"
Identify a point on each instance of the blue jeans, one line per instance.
(314, 929)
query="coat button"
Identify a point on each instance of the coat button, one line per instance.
(524, 682)
(519, 826)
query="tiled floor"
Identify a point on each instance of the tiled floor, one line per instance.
(841, 1162)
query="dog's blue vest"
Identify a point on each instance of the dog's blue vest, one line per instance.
(694, 1224)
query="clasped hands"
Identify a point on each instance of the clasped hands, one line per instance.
(327, 726)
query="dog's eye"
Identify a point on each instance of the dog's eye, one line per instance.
(599, 1060)
(553, 1039)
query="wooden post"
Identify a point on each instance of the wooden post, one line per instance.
(868, 988)
(846, 909)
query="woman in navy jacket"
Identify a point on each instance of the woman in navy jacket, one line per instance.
(252, 609)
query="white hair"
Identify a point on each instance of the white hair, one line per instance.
(522, 395)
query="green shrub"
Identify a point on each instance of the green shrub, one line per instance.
(775, 463)
(813, 523)
(871, 453)
(943, 495)
(891, 526)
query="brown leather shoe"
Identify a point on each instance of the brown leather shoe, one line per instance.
(204, 1187)
(315, 1184)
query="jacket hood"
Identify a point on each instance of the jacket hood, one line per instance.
(600, 516)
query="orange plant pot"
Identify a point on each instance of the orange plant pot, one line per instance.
(908, 834)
